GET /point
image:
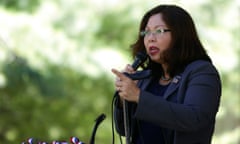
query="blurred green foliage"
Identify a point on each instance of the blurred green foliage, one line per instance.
(20, 5)
(55, 60)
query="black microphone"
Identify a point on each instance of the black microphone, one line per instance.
(140, 58)
(98, 121)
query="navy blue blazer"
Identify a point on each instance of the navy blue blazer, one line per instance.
(191, 119)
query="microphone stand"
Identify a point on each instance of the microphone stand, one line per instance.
(136, 76)
(126, 121)
(139, 59)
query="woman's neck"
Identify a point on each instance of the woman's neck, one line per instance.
(165, 78)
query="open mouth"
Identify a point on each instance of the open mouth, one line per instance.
(153, 50)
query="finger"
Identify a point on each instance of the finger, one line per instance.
(129, 68)
(118, 83)
(118, 79)
(118, 88)
(119, 74)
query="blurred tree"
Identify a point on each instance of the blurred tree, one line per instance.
(50, 93)
(116, 29)
(36, 104)
(20, 5)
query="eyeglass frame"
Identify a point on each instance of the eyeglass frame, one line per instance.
(147, 33)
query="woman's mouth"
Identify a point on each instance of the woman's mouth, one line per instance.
(153, 50)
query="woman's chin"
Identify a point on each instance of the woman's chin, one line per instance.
(155, 59)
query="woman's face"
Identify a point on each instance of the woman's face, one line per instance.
(157, 37)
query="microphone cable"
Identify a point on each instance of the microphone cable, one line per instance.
(113, 133)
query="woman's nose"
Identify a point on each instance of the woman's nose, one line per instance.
(151, 37)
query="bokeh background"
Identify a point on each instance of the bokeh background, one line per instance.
(56, 57)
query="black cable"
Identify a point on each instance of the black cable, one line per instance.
(113, 100)
(113, 134)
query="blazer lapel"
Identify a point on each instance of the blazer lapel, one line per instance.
(173, 86)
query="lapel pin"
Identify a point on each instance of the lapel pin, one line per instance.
(176, 79)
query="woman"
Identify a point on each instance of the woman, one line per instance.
(179, 102)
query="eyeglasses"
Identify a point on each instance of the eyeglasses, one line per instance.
(157, 32)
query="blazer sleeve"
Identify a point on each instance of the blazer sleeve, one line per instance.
(199, 97)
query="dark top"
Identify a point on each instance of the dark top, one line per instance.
(150, 133)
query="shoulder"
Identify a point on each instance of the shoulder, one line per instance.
(202, 70)
(200, 66)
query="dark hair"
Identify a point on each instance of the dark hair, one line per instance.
(185, 47)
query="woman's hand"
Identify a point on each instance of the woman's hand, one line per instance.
(127, 88)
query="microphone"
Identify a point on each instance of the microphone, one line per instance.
(97, 122)
(140, 58)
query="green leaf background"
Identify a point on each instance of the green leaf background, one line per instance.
(56, 59)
